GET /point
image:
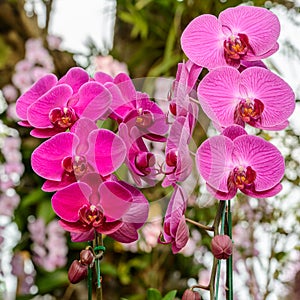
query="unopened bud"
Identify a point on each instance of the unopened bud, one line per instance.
(221, 246)
(191, 295)
(86, 257)
(77, 272)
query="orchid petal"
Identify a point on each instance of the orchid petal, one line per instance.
(38, 112)
(67, 202)
(266, 86)
(263, 157)
(260, 25)
(107, 150)
(46, 159)
(94, 101)
(75, 78)
(36, 91)
(218, 94)
(214, 163)
(202, 42)
(114, 199)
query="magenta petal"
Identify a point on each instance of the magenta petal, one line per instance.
(94, 101)
(175, 210)
(114, 199)
(108, 151)
(137, 213)
(221, 195)
(102, 77)
(45, 132)
(266, 86)
(219, 94)
(67, 202)
(259, 24)
(75, 78)
(202, 42)
(214, 163)
(52, 186)
(75, 227)
(234, 131)
(38, 112)
(46, 159)
(37, 90)
(264, 194)
(125, 85)
(263, 157)
(82, 129)
(182, 236)
(126, 234)
(83, 237)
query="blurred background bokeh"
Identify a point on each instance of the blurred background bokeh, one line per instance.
(141, 38)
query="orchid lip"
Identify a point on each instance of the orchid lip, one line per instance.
(63, 117)
(144, 118)
(236, 47)
(241, 178)
(249, 111)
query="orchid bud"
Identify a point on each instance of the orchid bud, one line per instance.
(191, 295)
(77, 272)
(221, 246)
(86, 257)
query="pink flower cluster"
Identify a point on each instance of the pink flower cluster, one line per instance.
(11, 169)
(79, 160)
(49, 244)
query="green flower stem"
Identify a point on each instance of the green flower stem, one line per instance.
(207, 228)
(90, 279)
(219, 262)
(99, 250)
(230, 273)
(215, 226)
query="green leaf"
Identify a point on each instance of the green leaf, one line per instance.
(153, 294)
(50, 281)
(170, 295)
(34, 197)
(45, 211)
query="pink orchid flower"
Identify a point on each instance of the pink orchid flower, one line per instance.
(183, 90)
(68, 156)
(256, 96)
(134, 108)
(178, 160)
(52, 106)
(240, 33)
(175, 229)
(139, 160)
(235, 160)
(113, 208)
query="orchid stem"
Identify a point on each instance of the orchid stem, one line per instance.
(230, 273)
(219, 262)
(99, 250)
(215, 227)
(90, 279)
(207, 228)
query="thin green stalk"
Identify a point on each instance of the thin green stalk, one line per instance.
(99, 250)
(90, 279)
(230, 273)
(219, 262)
